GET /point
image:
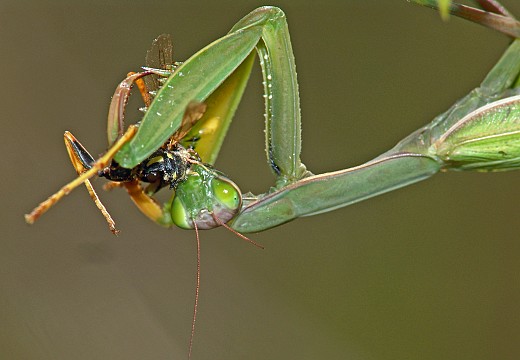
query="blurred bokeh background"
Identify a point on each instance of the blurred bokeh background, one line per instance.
(426, 272)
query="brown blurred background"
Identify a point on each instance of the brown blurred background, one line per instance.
(427, 272)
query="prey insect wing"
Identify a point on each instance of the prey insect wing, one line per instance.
(159, 56)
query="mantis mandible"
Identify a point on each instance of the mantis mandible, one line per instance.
(480, 133)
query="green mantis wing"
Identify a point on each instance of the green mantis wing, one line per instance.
(208, 133)
(194, 80)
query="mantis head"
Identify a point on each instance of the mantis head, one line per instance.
(206, 198)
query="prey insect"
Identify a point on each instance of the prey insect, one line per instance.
(172, 165)
(177, 141)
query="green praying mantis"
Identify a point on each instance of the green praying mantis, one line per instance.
(190, 109)
(479, 133)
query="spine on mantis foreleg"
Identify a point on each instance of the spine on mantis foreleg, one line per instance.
(282, 101)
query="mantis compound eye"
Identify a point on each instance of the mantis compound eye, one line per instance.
(205, 198)
(226, 193)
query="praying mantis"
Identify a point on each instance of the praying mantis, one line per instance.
(479, 133)
(408, 162)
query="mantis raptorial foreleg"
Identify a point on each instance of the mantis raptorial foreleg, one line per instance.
(265, 29)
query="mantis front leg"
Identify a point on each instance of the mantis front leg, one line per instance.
(202, 77)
